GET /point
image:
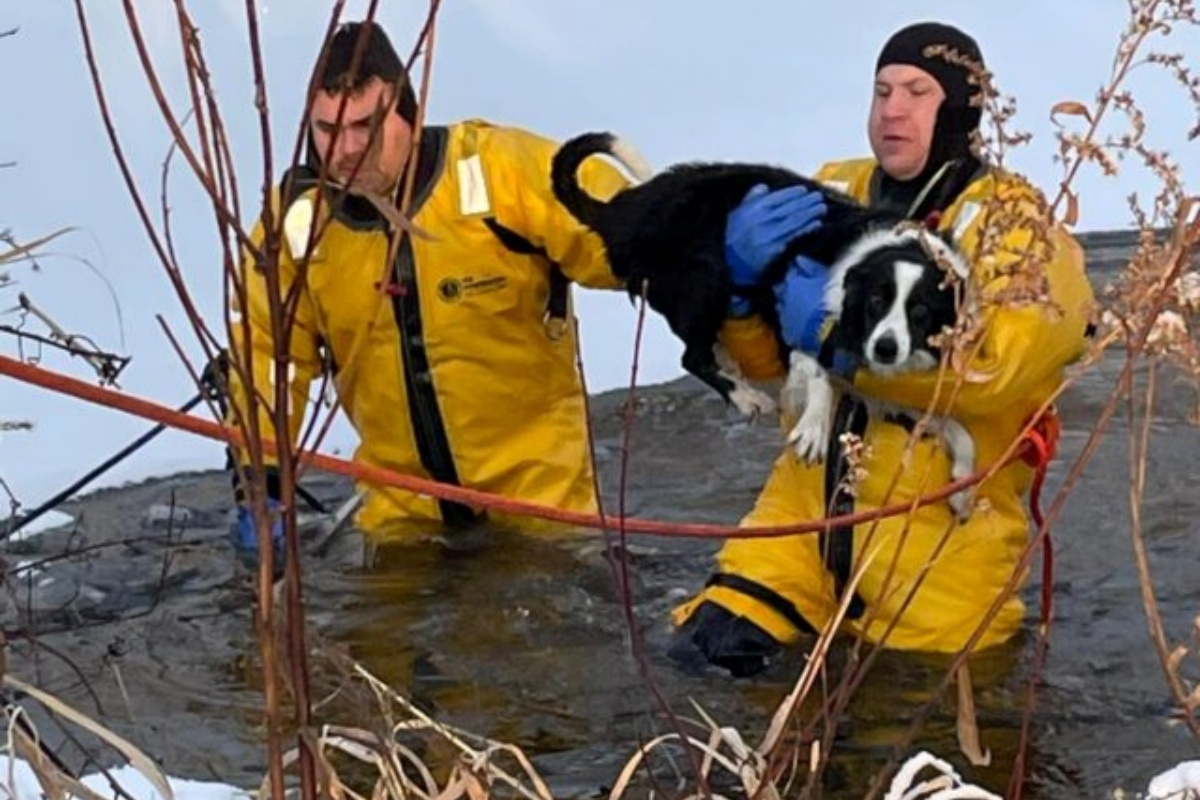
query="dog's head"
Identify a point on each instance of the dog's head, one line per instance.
(891, 292)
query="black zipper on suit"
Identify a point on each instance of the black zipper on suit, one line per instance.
(429, 430)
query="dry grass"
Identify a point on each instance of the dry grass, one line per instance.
(56, 781)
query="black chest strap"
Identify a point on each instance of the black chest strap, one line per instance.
(837, 543)
(560, 285)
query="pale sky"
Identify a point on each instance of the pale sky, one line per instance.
(770, 80)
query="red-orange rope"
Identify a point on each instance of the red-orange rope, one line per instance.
(74, 387)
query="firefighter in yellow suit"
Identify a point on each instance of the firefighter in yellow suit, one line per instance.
(928, 580)
(457, 360)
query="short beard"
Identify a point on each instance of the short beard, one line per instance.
(368, 179)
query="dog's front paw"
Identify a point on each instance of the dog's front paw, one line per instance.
(962, 503)
(751, 402)
(808, 437)
(961, 446)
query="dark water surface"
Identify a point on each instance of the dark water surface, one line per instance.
(525, 639)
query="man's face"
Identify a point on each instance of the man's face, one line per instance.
(903, 115)
(373, 141)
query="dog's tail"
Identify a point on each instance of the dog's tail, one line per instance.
(571, 156)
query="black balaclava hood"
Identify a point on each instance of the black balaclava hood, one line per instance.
(957, 119)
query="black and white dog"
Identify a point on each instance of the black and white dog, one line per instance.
(889, 289)
(668, 233)
(889, 296)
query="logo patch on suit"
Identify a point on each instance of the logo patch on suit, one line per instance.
(451, 290)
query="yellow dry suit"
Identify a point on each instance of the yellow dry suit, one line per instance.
(457, 360)
(792, 584)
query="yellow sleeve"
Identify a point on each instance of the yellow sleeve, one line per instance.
(1023, 344)
(252, 350)
(751, 343)
(518, 165)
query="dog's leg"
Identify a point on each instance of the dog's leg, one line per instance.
(961, 447)
(810, 434)
(730, 385)
(746, 398)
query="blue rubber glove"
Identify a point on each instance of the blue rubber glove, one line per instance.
(245, 534)
(800, 302)
(759, 229)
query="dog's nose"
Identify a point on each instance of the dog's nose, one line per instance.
(886, 350)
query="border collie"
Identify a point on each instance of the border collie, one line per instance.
(887, 295)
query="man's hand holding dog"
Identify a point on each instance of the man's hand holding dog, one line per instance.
(759, 229)
(800, 302)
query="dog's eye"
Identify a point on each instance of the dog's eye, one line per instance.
(876, 303)
(919, 312)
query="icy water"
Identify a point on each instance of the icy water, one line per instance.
(525, 639)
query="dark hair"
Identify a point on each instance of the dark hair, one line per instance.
(378, 60)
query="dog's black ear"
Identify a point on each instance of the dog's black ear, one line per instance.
(851, 328)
